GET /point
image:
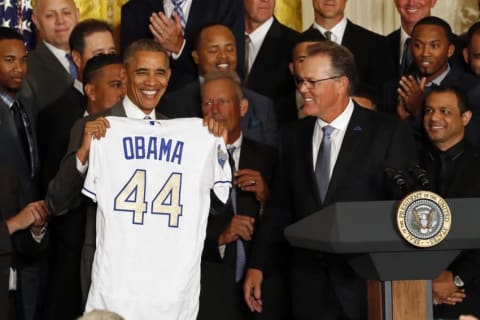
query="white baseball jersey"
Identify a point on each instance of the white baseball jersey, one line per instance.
(152, 181)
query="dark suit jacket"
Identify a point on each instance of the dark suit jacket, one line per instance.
(12, 152)
(464, 183)
(323, 285)
(46, 80)
(63, 299)
(135, 21)
(64, 192)
(218, 275)
(369, 50)
(393, 42)
(259, 123)
(465, 82)
(17, 247)
(269, 74)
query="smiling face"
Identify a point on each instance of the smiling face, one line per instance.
(431, 50)
(411, 11)
(443, 120)
(332, 10)
(216, 50)
(147, 78)
(13, 65)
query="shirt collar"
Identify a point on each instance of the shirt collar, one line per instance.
(7, 99)
(132, 111)
(237, 143)
(258, 35)
(340, 122)
(455, 151)
(59, 54)
(438, 80)
(337, 31)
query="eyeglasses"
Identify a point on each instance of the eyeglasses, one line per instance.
(311, 83)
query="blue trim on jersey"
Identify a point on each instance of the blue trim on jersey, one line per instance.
(223, 181)
(91, 194)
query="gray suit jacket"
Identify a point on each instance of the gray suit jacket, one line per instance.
(11, 151)
(46, 80)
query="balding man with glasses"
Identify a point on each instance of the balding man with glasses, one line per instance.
(337, 153)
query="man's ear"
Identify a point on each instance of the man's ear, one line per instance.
(466, 116)
(465, 55)
(243, 106)
(195, 57)
(89, 91)
(77, 59)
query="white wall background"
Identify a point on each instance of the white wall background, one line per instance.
(381, 15)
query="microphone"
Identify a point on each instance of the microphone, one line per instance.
(398, 177)
(421, 176)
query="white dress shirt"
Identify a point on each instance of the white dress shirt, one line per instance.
(337, 31)
(340, 124)
(256, 40)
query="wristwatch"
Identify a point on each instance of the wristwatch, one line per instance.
(458, 282)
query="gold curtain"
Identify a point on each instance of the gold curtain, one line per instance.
(289, 12)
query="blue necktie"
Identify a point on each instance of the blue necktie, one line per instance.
(241, 257)
(72, 69)
(178, 9)
(322, 167)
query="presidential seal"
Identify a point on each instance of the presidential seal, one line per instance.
(423, 218)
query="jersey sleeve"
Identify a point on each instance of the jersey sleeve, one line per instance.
(222, 171)
(89, 186)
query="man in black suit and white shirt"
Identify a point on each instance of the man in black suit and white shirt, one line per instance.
(369, 49)
(160, 20)
(337, 153)
(269, 48)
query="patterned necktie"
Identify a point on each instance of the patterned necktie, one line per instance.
(406, 57)
(178, 9)
(72, 69)
(241, 257)
(24, 129)
(328, 35)
(322, 167)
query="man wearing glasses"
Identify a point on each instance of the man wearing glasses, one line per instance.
(338, 153)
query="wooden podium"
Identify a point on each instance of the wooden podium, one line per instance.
(399, 274)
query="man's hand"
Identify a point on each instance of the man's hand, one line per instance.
(252, 289)
(411, 94)
(216, 128)
(251, 181)
(35, 213)
(240, 226)
(168, 32)
(445, 291)
(97, 129)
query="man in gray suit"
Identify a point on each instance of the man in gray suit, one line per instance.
(51, 70)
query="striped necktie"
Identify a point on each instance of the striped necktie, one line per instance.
(178, 9)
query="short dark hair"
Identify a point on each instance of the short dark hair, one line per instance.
(85, 28)
(198, 35)
(93, 66)
(144, 45)
(227, 75)
(462, 99)
(8, 33)
(342, 60)
(473, 30)
(436, 21)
